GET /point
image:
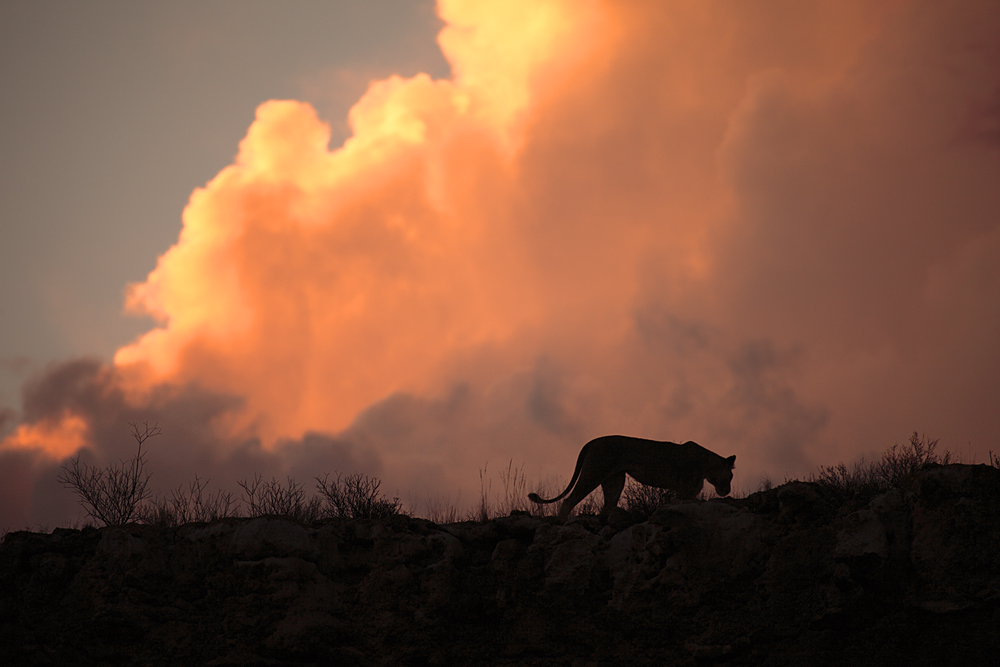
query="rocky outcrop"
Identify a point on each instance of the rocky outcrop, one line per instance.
(792, 576)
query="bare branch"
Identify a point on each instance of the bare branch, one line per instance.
(112, 495)
(355, 496)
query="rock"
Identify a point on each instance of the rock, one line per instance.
(265, 536)
(570, 562)
(119, 544)
(862, 534)
(799, 501)
(784, 577)
(955, 548)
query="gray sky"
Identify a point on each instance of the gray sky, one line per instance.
(111, 113)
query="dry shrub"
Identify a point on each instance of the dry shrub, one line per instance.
(271, 498)
(895, 469)
(112, 495)
(640, 501)
(590, 506)
(193, 505)
(355, 496)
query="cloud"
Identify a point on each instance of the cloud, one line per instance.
(86, 407)
(772, 231)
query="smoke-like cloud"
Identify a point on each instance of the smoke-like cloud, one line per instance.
(771, 229)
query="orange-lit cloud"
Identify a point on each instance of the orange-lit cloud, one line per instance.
(58, 439)
(324, 280)
(770, 229)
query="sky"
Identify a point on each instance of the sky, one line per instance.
(416, 241)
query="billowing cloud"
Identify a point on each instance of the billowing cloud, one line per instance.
(770, 229)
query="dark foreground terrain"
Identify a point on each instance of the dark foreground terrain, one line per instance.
(797, 575)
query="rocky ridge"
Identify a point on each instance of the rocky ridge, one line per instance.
(791, 576)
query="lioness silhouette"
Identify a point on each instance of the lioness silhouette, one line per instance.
(606, 460)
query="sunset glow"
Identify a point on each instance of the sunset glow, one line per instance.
(56, 439)
(316, 281)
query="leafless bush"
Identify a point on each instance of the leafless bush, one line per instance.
(592, 505)
(112, 495)
(859, 479)
(355, 496)
(271, 498)
(641, 501)
(195, 504)
(895, 469)
(899, 464)
(765, 485)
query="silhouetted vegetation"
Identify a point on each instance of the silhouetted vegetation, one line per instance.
(112, 495)
(355, 496)
(443, 510)
(195, 504)
(271, 498)
(118, 494)
(640, 501)
(513, 499)
(895, 469)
